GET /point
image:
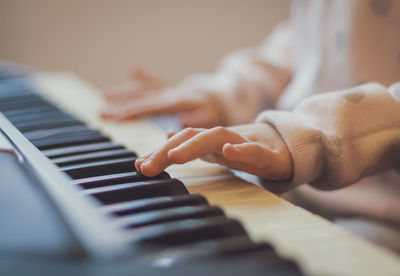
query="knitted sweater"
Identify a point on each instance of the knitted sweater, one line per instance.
(350, 49)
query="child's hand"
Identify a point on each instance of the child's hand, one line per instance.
(254, 148)
(153, 97)
(143, 83)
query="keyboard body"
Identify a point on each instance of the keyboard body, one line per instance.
(77, 206)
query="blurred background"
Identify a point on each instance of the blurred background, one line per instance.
(100, 40)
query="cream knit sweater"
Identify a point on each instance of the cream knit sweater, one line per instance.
(350, 49)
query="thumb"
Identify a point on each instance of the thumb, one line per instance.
(249, 153)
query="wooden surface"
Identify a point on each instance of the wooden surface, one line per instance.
(318, 246)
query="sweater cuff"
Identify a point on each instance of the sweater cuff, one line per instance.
(303, 142)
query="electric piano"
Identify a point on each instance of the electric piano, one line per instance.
(72, 203)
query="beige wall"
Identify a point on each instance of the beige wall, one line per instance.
(101, 39)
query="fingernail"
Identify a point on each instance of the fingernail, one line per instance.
(137, 167)
(146, 163)
(140, 160)
(228, 145)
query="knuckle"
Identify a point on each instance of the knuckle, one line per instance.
(162, 149)
(219, 130)
(177, 157)
(190, 131)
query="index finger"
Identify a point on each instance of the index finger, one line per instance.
(157, 161)
(204, 143)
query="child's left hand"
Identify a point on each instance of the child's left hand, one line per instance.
(254, 148)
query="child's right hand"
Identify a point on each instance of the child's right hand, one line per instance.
(151, 96)
(254, 148)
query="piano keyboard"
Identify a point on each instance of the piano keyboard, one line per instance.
(155, 215)
(208, 221)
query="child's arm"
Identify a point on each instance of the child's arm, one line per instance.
(340, 137)
(245, 83)
(330, 141)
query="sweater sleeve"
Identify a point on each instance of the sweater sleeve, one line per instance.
(249, 80)
(339, 137)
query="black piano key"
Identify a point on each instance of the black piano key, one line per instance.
(16, 95)
(30, 110)
(47, 124)
(238, 245)
(60, 132)
(151, 204)
(21, 118)
(43, 115)
(23, 104)
(4, 95)
(100, 168)
(57, 117)
(168, 215)
(238, 252)
(188, 231)
(81, 149)
(13, 91)
(113, 179)
(8, 89)
(138, 190)
(55, 132)
(232, 246)
(21, 99)
(44, 120)
(88, 137)
(92, 157)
